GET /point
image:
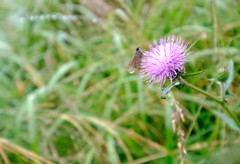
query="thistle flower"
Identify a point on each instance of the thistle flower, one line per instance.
(164, 61)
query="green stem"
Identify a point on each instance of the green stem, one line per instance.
(222, 103)
(221, 91)
(198, 89)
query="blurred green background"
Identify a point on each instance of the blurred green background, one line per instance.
(66, 97)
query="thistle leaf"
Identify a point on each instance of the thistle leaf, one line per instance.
(230, 122)
(228, 82)
(167, 89)
(192, 74)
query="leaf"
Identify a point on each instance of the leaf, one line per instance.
(192, 74)
(192, 45)
(230, 77)
(111, 149)
(227, 96)
(166, 90)
(212, 80)
(231, 123)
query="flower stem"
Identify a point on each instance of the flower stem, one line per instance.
(221, 90)
(221, 102)
(198, 89)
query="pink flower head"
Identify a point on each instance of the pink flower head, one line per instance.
(165, 60)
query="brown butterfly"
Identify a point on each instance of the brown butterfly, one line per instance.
(135, 63)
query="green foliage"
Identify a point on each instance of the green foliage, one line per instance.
(66, 96)
(167, 89)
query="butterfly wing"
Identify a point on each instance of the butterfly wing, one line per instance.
(136, 61)
(132, 64)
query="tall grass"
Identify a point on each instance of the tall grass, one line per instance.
(66, 97)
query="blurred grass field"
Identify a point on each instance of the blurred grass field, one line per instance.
(66, 97)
